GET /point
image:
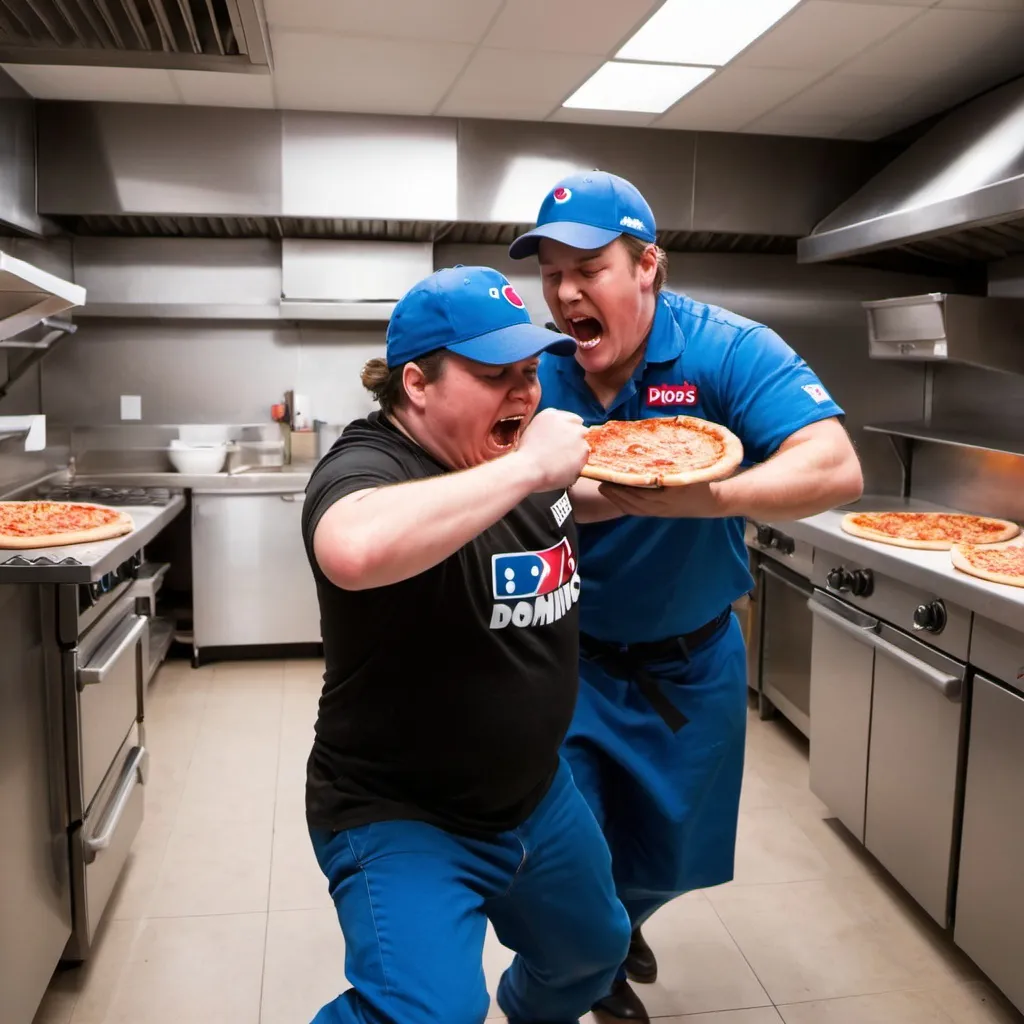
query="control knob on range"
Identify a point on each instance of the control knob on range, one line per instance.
(765, 536)
(858, 582)
(930, 617)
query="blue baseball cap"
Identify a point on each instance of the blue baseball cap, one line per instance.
(587, 211)
(472, 311)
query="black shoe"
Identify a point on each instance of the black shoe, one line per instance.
(641, 966)
(622, 1004)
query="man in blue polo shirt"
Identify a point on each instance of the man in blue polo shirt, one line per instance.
(657, 740)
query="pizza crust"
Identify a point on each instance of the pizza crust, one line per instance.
(731, 457)
(124, 524)
(958, 556)
(855, 529)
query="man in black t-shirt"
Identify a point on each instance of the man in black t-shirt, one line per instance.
(442, 541)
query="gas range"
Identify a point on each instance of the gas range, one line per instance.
(103, 564)
(137, 497)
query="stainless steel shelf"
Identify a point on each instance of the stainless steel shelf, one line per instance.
(951, 434)
(161, 636)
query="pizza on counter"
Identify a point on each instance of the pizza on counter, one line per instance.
(1001, 563)
(929, 531)
(51, 524)
(668, 451)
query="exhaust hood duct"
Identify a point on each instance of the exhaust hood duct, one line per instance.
(965, 174)
(198, 35)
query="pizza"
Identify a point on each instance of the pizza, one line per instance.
(50, 524)
(930, 531)
(666, 451)
(1002, 563)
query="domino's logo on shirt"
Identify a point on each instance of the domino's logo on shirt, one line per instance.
(534, 588)
(818, 393)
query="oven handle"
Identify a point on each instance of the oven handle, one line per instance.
(950, 686)
(794, 581)
(90, 674)
(130, 778)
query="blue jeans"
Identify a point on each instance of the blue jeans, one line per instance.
(668, 803)
(414, 900)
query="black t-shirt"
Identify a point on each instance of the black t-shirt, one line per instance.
(447, 695)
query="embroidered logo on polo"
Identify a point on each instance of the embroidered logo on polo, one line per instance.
(534, 588)
(660, 396)
(818, 393)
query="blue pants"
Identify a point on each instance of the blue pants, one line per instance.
(414, 900)
(667, 802)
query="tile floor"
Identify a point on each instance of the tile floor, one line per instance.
(222, 916)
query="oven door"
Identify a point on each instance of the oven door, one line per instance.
(100, 845)
(786, 642)
(108, 683)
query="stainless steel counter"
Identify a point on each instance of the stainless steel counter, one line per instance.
(86, 563)
(931, 570)
(286, 480)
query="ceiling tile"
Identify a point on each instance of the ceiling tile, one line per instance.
(570, 26)
(454, 21)
(808, 125)
(821, 35)
(114, 85)
(942, 40)
(377, 76)
(984, 5)
(734, 97)
(217, 89)
(508, 83)
(621, 118)
(890, 3)
(852, 97)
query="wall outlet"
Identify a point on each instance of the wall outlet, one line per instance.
(131, 407)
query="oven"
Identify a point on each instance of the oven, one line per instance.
(102, 654)
(888, 673)
(779, 649)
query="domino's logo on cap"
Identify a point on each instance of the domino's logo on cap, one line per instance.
(471, 311)
(603, 206)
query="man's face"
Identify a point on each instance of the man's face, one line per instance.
(474, 412)
(597, 296)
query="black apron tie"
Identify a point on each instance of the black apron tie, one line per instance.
(630, 661)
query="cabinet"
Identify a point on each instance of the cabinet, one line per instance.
(251, 580)
(990, 894)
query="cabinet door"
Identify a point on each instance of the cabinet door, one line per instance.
(914, 770)
(990, 894)
(252, 583)
(842, 664)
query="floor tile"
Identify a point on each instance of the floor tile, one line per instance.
(963, 1004)
(83, 993)
(213, 868)
(304, 967)
(772, 847)
(701, 968)
(191, 969)
(296, 881)
(834, 937)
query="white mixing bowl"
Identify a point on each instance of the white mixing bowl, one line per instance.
(197, 460)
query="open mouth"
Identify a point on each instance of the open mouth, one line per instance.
(505, 433)
(587, 331)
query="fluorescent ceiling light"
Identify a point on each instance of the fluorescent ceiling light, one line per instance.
(703, 31)
(646, 88)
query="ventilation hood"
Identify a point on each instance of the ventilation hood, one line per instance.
(204, 35)
(957, 191)
(29, 295)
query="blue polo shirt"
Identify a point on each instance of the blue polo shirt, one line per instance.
(648, 578)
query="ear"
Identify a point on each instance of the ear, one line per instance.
(647, 268)
(414, 381)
